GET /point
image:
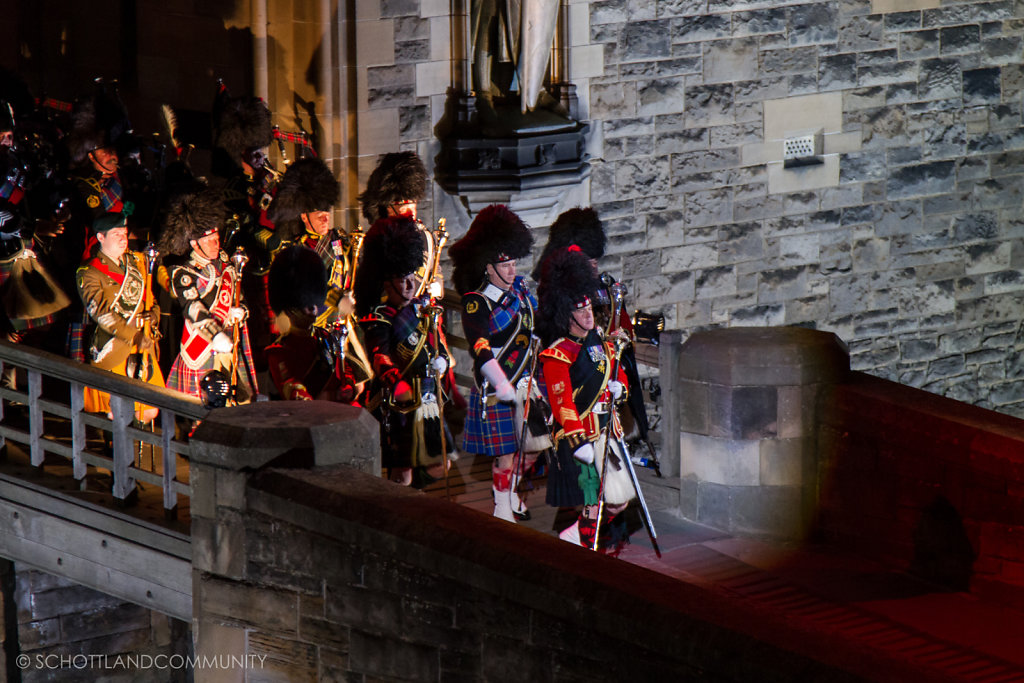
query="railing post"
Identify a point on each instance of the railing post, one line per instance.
(123, 412)
(170, 462)
(35, 417)
(78, 436)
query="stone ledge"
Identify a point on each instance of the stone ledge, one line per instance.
(777, 356)
(289, 434)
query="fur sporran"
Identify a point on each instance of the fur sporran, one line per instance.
(538, 435)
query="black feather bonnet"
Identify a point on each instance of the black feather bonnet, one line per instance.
(308, 185)
(496, 234)
(399, 176)
(297, 279)
(241, 124)
(98, 120)
(578, 226)
(568, 282)
(190, 216)
(393, 247)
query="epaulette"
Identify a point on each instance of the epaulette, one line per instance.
(94, 184)
(564, 350)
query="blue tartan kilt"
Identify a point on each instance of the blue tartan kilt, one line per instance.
(77, 332)
(497, 436)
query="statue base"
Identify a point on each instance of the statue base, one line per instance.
(496, 147)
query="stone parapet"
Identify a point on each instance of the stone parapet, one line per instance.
(925, 483)
(351, 577)
(748, 402)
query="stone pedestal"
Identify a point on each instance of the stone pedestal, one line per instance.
(748, 415)
(230, 447)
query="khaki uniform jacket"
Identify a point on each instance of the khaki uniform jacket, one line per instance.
(113, 305)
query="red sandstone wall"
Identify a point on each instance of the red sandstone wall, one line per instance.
(933, 484)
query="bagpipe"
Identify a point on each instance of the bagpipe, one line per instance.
(333, 333)
(217, 389)
(431, 423)
(141, 362)
(617, 291)
(242, 228)
(642, 327)
(426, 381)
(430, 314)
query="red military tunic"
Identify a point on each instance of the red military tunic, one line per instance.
(576, 373)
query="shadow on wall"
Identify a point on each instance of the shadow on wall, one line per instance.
(942, 550)
(158, 52)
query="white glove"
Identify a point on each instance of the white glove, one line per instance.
(440, 364)
(236, 314)
(436, 289)
(503, 389)
(221, 343)
(616, 389)
(585, 453)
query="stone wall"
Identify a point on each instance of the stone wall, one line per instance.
(925, 483)
(345, 576)
(902, 241)
(66, 632)
(909, 252)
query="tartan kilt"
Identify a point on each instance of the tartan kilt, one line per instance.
(78, 330)
(186, 380)
(563, 488)
(497, 436)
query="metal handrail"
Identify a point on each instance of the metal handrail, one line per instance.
(124, 394)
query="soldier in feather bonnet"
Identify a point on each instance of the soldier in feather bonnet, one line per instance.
(207, 289)
(408, 350)
(302, 205)
(395, 187)
(577, 366)
(297, 361)
(498, 320)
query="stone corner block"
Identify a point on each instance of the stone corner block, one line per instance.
(218, 546)
(720, 461)
(285, 433)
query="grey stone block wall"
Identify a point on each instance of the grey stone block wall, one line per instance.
(67, 632)
(913, 258)
(911, 254)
